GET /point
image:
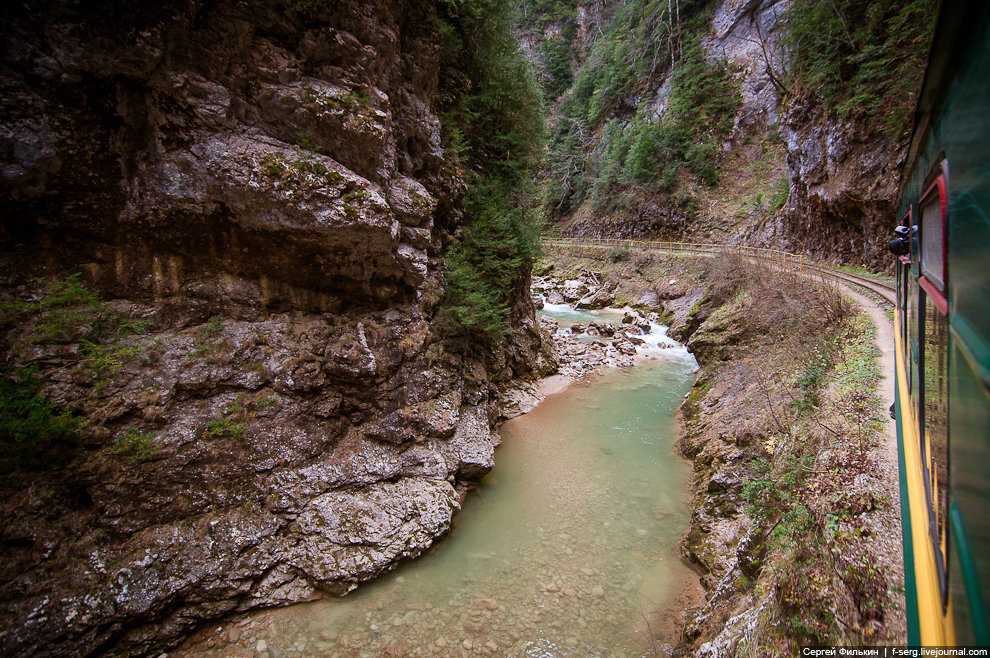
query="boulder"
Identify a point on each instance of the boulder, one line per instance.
(601, 298)
(470, 453)
(624, 346)
(601, 329)
(574, 290)
(650, 300)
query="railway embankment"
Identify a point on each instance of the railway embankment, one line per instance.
(795, 520)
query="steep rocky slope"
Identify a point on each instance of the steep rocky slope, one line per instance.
(768, 122)
(796, 523)
(262, 409)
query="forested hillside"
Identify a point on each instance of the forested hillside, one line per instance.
(771, 122)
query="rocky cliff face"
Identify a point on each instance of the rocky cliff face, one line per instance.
(261, 188)
(844, 183)
(792, 173)
(843, 174)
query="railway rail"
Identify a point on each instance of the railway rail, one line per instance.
(774, 258)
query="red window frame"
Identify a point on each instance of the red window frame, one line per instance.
(938, 186)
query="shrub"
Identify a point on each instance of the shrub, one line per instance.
(106, 359)
(62, 307)
(619, 255)
(863, 59)
(223, 428)
(30, 425)
(779, 192)
(214, 326)
(137, 445)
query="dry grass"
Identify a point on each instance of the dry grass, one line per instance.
(782, 304)
(807, 416)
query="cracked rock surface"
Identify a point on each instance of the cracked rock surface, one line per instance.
(270, 198)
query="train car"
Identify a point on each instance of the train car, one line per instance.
(942, 328)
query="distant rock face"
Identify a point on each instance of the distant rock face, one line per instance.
(844, 176)
(844, 184)
(282, 173)
(744, 33)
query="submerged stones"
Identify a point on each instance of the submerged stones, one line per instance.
(599, 344)
(561, 563)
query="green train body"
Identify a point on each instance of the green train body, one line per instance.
(943, 337)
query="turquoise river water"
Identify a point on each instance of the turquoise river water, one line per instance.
(567, 548)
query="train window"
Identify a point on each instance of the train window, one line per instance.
(933, 233)
(935, 411)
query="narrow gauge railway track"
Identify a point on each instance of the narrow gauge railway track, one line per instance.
(772, 257)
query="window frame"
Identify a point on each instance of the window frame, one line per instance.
(904, 276)
(936, 292)
(928, 292)
(937, 186)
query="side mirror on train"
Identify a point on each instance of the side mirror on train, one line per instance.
(901, 245)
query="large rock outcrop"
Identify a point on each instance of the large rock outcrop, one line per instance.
(263, 188)
(795, 172)
(845, 178)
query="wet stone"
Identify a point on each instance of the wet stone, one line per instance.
(571, 566)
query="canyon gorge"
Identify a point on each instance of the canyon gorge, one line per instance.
(267, 268)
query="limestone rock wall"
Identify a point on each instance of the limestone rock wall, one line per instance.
(276, 167)
(844, 175)
(844, 184)
(310, 143)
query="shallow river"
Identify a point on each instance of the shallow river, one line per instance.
(567, 548)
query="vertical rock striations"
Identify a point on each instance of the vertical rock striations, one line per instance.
(844, 182)
(263, 188)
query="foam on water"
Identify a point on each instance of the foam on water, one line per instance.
(657, 342)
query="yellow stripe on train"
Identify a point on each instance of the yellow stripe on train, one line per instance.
(934, 622)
